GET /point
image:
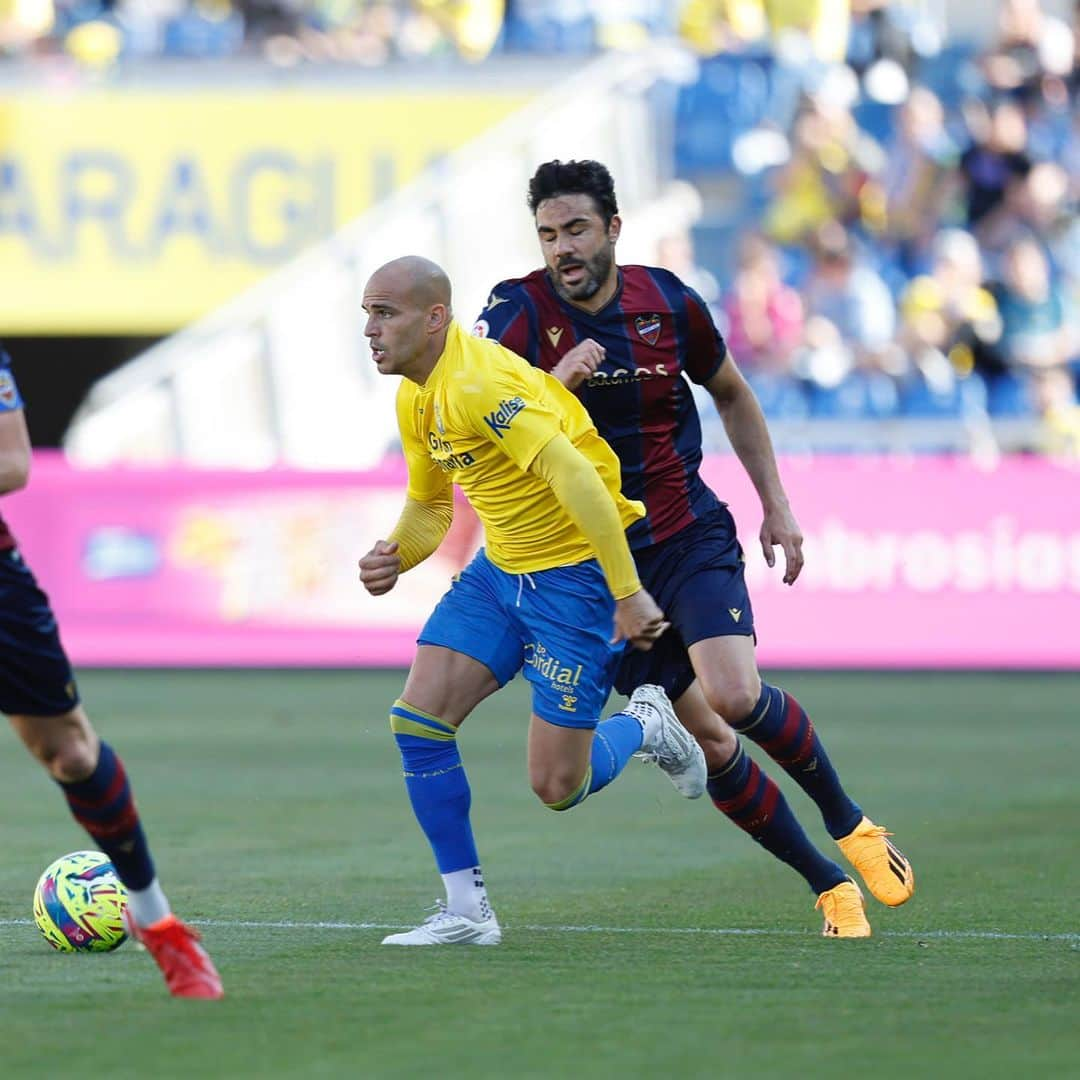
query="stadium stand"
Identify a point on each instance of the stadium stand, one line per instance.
(866, 116)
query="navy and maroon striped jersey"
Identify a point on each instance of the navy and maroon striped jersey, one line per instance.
(9, 402)
(655, 330)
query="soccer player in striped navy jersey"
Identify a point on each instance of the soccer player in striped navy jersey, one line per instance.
(627, 339)
(39, 696)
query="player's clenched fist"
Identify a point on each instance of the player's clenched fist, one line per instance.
(639, 620)
(380, 567)
(580, 363)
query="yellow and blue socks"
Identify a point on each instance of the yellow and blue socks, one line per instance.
(615, 742)
(103, 805)
(780, 726)
(441, 800)
(749, 798)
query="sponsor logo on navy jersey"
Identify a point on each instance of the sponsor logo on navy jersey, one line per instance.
(621, 376)
(500, 420)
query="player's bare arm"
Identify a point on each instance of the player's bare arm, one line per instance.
(580, 363)
(749, 435)
(14, 451)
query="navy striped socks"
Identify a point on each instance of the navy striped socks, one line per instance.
(780, 726)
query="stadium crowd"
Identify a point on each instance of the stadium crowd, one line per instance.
(918, 254)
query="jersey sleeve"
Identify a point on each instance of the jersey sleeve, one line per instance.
(706, 349)
(427, 482)
(9, 391)
(507, 320)
(514, 416)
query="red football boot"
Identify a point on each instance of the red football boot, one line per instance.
(189, 972)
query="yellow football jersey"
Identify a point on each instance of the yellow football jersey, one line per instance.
(479, 421)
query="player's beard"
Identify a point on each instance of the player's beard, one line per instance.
(596, 269)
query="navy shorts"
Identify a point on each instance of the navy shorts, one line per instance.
(697, 579)
(35, 676)
(555, 624)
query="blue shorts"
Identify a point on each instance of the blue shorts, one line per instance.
(35, 676)
(556, 624)
(697, 579)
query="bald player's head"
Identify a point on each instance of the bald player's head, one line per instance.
(407, 301)
(420, 280)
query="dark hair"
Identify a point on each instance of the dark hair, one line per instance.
(575, 178)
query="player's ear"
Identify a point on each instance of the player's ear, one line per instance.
(438, 318)
(614, 228)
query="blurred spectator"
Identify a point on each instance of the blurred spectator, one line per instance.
(826, 175)
(917, 178)
(1054, 394)
(1029, 44)
(1039, 327)
(850, 316)
(884, 30)
(950, 312)
(1034, 206)
(763, 317)
(821, 24)
(712, 27)
(996, 155)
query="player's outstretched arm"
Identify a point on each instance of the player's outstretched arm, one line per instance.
(749, 435)
(14, 451)
(577, 485)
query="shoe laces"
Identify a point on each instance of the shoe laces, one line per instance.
(876, 830)
(440, 914)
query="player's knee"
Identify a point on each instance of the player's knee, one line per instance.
(556, 790)
(734, 702)
(69, 761)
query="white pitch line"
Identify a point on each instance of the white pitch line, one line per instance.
(711, 931)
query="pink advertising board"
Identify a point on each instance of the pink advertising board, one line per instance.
(921, 562)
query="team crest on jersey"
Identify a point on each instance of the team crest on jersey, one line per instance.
(9, 396)
(648, 326)
(480, 328)
(438, 421)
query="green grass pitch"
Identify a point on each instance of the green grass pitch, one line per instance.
(644, 935)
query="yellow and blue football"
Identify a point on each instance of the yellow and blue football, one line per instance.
(79, 903)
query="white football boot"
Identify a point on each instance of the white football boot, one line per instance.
(449, 928)
(667, 743)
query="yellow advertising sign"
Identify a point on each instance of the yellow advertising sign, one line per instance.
(131, 212)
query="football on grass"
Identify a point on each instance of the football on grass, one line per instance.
(79, 903)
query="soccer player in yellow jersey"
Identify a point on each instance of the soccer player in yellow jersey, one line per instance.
(554, 591)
